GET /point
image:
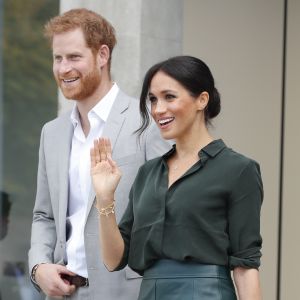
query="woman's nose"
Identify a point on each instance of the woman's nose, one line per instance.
(160, 107)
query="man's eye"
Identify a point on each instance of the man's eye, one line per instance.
(74, 57)
(57, 58)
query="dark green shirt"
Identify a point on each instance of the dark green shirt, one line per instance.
(210, 215)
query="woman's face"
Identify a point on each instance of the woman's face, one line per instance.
(174, 110)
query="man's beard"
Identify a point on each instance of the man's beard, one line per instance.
(87, 86)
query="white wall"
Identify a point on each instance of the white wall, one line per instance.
(291, 194)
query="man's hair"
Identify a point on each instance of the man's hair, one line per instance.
(96, 30)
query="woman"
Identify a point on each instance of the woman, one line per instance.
(193, 213)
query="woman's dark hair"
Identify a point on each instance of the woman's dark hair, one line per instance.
(193, 74)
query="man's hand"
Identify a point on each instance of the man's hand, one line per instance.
(48, 277)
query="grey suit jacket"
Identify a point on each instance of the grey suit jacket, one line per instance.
(48, 238)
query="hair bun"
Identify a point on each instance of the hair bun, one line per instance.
(214, 104)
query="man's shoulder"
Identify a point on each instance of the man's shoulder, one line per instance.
(123, 94)
(133, 102)
(150, 165)
(59, 121)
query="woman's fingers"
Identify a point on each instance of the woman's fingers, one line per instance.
(93, 158)
(108, 148)
(97, 151)
(113, 165)
(101, 151)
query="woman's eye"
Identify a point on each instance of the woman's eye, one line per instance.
(170, 96)
(152, 99)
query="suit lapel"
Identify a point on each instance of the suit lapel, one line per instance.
(112, 129)
(116, 118)
(64, 147)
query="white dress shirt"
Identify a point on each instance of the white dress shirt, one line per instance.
(80, 179)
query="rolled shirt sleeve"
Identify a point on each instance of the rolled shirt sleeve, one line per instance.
(244, 218)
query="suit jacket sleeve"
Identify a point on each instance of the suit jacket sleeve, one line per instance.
(43, 233)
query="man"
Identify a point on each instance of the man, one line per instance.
(65, 258)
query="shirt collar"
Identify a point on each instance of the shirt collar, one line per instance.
(101, 109)
(75, 116)
(212, 149)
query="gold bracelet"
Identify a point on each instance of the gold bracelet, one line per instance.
(106, 211)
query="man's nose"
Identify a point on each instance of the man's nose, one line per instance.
(65, 66)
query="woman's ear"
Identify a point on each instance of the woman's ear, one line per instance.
(103, 55)
(202, 100)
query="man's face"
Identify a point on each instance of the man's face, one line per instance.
(76, 69)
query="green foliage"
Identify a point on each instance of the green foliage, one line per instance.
(29, 92)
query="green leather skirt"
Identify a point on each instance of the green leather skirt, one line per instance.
(173, 280)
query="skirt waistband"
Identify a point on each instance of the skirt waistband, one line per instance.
(167, 268)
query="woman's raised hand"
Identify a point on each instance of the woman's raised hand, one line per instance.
(104, 171)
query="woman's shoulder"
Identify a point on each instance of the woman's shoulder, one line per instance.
(147, 172)
(151, 164)
(154, 165)
(238, 160)
(238, 170)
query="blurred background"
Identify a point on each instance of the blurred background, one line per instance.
(28, 99)
(252, 48)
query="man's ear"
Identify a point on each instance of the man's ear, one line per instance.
(103, 55)
(202, 100)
